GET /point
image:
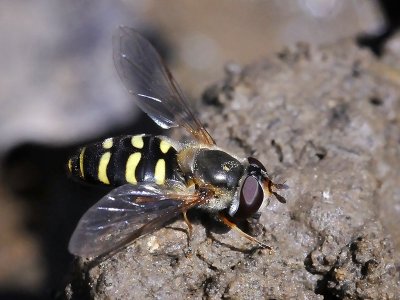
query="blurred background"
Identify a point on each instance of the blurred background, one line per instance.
(59, 90)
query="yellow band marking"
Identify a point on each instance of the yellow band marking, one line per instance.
(70, 165)
(108, 143)
(81, 155)
(159, 172)
(104, 160)
(137, 141)
(164, 146)
(131, 164)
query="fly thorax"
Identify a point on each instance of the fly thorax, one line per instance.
(217, 168)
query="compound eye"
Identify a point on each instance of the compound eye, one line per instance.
(251, 198)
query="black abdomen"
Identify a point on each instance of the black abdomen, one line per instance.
(127, 159)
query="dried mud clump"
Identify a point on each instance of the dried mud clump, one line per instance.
(361, 269)
(326, 121)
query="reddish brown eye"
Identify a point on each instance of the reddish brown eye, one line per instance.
(251, 198)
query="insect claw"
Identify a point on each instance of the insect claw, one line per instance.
(188, 252)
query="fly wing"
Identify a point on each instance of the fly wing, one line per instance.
(124, 214)
(144, 74)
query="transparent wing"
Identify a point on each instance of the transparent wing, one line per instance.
(124, 214)
(146, 77)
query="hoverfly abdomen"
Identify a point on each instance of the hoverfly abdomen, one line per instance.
(126, 159)
(218, 168)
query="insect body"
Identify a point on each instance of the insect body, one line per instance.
(156, 178)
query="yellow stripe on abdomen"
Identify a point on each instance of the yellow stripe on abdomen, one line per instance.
(102, 174)
(164, 146)
(137, 141)
(159, 172)
(107, 143)
(81, 156)
(70, 165)
(131, 164)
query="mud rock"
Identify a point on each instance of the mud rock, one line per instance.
(326, 122)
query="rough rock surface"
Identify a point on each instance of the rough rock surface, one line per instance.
(324, 120)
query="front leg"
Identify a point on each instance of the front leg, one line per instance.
(222, 216)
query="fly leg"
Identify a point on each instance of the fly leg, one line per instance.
(233, 226)
(189, 225)
(190, 231)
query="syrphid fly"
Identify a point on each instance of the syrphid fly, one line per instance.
(157, 178)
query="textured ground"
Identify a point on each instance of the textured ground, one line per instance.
(59, 90)
(324, 120)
